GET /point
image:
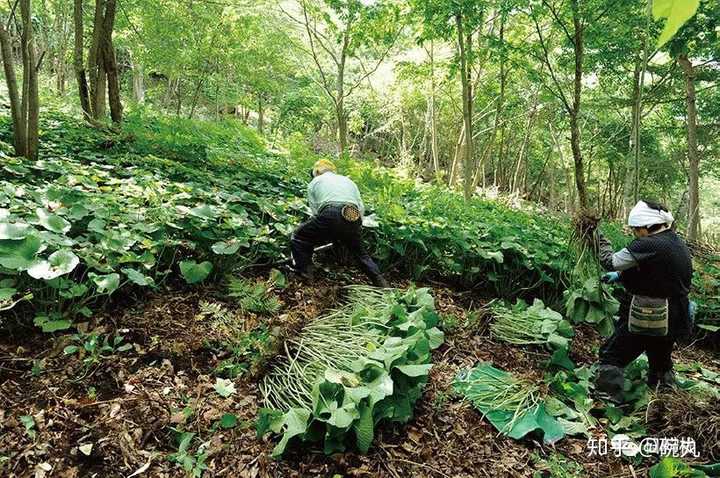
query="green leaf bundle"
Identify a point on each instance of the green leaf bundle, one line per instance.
(346, 372)
(511, 405)
(531, 325)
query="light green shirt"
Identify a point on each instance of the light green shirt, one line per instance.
(333, 188)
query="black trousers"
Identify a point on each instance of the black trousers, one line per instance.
(327, 226)
(624, 347)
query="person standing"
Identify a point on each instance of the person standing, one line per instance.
(656, 273)
(337, 212)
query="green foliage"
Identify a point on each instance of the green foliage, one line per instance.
(528, 325)
(191, 461)
(93, 348)
(510, 404)
(29, 423)
(593, 304)
(670, 467)
(254, 296)
(676, 12)
(98, 214)
(365, 364)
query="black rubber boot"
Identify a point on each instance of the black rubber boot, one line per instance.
(609, 382)
(379, 281)
(664, 380)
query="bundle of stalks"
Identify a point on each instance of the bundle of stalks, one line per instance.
(492, 390)
(333, 341)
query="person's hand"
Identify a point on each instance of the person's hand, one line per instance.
(692, 310)
(610, 278)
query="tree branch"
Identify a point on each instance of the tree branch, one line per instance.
(561, 94)
(555, 15)
(325, 83)
(377, 65)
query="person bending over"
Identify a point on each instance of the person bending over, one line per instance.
(337, 212)
(656, 272)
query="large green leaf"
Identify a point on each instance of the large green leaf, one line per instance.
(677, 12)
(19, 254)
(138, 278)
(295, 422)
(14, 230)
(106, 284)
(193, 272)
(364, 429)
(226, 247)
(59, 263)
(52, 222)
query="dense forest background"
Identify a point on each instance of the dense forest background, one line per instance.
(570, 103)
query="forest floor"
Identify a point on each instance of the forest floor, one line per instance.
(116, 415)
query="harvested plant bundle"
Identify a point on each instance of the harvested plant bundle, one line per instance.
(512, 405)
(587, 299)
(345, 372)
(530, 325)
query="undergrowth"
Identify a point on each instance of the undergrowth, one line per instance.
(167, 197)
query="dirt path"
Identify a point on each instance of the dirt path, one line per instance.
(116, 416)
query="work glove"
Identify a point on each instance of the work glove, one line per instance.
(692, 310)
(610, 278)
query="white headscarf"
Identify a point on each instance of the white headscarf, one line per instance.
(643, 215)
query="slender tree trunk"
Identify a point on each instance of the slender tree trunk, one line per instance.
(693, 232)
(110, 63)
(630, 185)
(464, 50)
(138, 81)
(340, 100)
(196, 95)
(101, 97)
(95, 63)
(19, 126)
(261, 114)
(433, 116)
(80, 73)
(457, 157)
(33, 100)
(575, 113)
(498, 111)
(514, 187)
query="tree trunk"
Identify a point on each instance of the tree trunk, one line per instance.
(33, 101)
(630, 183)
(340, 99)
(60, 74)
(433, 116)
(463, 47)
(575, 113)
(138, 82)
(261, 114)
(101, 97)
(195, 98)
(80, 74)
(19, 127)
(515, 185)
(95, 63)
(110, 63)
(693, 230)
(342, 127)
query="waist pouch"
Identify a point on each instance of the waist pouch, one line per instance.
(649, 316)
(351, 213)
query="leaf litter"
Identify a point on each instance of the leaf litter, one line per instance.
(131, 407)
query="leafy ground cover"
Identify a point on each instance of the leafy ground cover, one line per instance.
(102, 212)
(153, 245)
